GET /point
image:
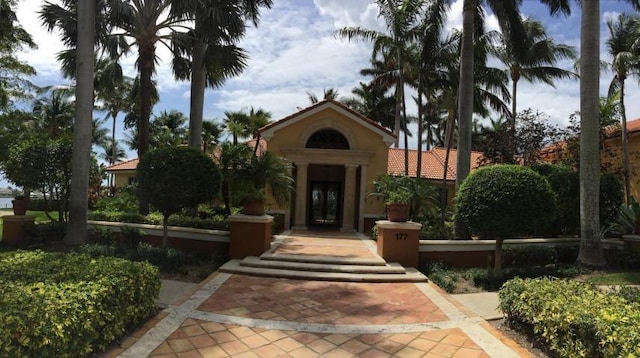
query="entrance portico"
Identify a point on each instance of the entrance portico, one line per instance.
(335, 153)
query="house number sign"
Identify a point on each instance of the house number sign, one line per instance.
(401, 236)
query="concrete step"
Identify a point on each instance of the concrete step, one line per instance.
(392, 268)
(328, 260)
(235, 267)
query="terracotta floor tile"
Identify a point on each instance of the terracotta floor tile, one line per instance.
(354, 346)
(337, 339)
(190, 354)
(388, 346)
(170, 355)
(242, 332)
(467, 353)
(211, 327)
(374, 353)
(234, 347)
(303, 352)
(338, 353)
(202, 341)
(423, 344)
(255, 341)
(194, 330)
(444, 349)
(435, 336)
(163, 348)
(408, 352)
(288, 344)
(248, 354)
(321, 346)
(223, 337)
(269, 351)
(213, 352)
(273, 335)
(455, 340)
(180, 345)
(305, 337)
(403, 338)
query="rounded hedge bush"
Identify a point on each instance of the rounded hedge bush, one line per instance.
(173, 178)
(502, 201)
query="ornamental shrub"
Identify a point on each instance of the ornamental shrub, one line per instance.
(173, 178)
(573, 318)
(69, 305)
(503, 201)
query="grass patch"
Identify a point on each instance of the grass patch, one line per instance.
(617, 278)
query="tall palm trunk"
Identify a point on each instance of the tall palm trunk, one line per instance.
(448, 139)
(590, 245)
(625, 143)
(78, 206)
(420, 115)
(396, 123)
(405, 133)
(465, 104)
(198, 84)
(146, 55)
(513, 145)
(112, 159)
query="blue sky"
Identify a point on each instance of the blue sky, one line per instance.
(294, 51)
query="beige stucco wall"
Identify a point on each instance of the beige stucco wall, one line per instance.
(612, 160)
(122, 178)
(361, 138)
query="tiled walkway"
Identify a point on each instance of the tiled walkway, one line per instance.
(244, 316)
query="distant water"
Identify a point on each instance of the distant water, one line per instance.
(5, 203)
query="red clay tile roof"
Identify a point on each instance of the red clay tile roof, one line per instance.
(321, 103)
(122, 166)
(432, 163)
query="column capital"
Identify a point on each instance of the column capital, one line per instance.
(300, 164)
(351, 165)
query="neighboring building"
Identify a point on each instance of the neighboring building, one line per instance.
(336, 153)
(611, 154)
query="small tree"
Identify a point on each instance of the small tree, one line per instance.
(503, 201)
(173, 178)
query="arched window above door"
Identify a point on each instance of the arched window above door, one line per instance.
(327, 139)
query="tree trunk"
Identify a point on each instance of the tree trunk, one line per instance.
(497, 260)
(448, 139)
(165, 223)
(625, 145)
(419, 160)
(396, 123)
(198, 84)
(77, 228)
(590, 245)
(146, 58)
(513, 146)
(465, 104)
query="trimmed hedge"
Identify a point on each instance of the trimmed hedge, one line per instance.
(69, 305)
(217, 222)
(573, 318)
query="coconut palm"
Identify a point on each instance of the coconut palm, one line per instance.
(373, 103)
(328, 94)
(400, 17)
(77, 228)
(236, 123)
(54, 111)
(207, 54)
(536, 64)
(211, 133)
(626, 62)
(230, 157)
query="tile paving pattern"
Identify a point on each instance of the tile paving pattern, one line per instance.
(245, 301)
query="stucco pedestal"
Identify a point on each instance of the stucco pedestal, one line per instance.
(13, 228)
(249, 235)
(632, 241)
(399, 242)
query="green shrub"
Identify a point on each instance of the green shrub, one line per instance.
(503, 201)
(574, 319)
(529, 255)
(69, 305)
(100, 235)
(124, 200)
(46, 232)
(217, 222)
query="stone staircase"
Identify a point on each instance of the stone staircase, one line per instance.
(323, 268)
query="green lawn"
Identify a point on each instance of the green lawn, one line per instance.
(40, 216)
(618, 278)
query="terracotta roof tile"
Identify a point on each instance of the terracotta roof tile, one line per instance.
(432, 163)
(126, 165)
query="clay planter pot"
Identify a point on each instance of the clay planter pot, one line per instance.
(20, 206)
(253, 207)
(398, 212)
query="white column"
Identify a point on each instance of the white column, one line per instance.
(300, 222)
(349, 198)
(287, 212)
(363, 191)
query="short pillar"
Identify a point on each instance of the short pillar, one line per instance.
(13, 228)
(249, 235)
(399, 242)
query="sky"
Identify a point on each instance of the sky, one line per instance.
(294, 50)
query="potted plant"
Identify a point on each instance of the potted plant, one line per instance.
(399, 205)
(20, 205)
(260, 170)
(253, 202)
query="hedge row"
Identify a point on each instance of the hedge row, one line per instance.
(69, 305)
(573, 318)
(217, 222)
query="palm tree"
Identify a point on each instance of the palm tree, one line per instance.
(214, 57)
(400, 17)
(328, 94)
(99, 134)
(236, 123)
(626, 62)
(537, 64)
(211, 133)
(230, 157)
(373, 103)
(77, 228)
(257, 119)
(54, 112)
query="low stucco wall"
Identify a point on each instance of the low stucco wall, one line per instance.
(200, 241)
(477, 253)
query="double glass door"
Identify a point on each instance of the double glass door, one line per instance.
(325, 203)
